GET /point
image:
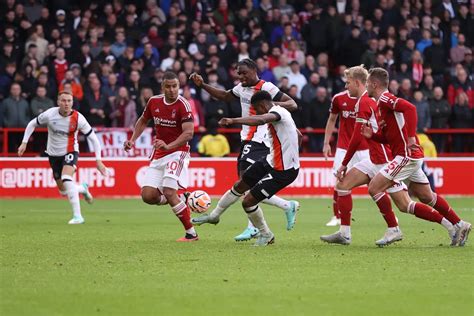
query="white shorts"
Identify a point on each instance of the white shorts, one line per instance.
(401, 168)
(170, 171)
(370, 169)
(359, 155)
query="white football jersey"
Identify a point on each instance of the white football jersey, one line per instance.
(253, 133)
(62, 131)
(283, 139)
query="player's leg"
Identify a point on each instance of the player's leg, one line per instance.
(422, 190)
(255, 215)
(250, 153)
(393, 232)
(336, 218)
(149, 187)
(406, 205)
(251, 176)
(353, 178)
(175, 176)
(72, 193)
(268, 186)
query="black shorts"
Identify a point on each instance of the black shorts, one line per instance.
(58, 162)
(250, 152)
(266, 181)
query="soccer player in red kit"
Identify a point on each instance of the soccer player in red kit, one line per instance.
(365, 111)
(168, 170)
(342, 106)
(398, 129)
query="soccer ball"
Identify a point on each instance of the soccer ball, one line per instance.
(199, 201)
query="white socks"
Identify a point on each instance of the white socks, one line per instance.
(345, 231)
(72, 195)
(80, 188)
(255, 215)
(278, 202)
(229, 198)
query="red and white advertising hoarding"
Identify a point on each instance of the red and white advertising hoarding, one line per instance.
(32, 177)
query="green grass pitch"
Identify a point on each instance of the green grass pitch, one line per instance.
(125, 261)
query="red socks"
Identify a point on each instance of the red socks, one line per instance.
(344, 203)
(335, 208)
(442, 206)
(425, 212)
(385, 207)
(184, 214)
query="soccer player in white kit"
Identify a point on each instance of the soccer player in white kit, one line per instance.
(254, 138)
(267, 176)
(62, 147)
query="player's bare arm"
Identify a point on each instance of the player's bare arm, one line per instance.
(254, 120)
(300, 137)
(330, 126)
(183, 138)
(287, 102)
(223, 95)
(140, 126)
(30, 128)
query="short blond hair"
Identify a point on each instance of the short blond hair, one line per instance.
(357, 73)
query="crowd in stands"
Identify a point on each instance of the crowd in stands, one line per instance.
(112, 55)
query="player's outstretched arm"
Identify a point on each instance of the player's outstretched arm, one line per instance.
(250, 120)
(330, 126)
(185, 136)
(30, 128)
(98, 152)
(224, 95)
(140, 126)
(287, 102)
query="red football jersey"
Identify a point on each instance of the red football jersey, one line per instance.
(60, 68)
(168, 119)
(344, 105)
(400, 117)
(366, 110)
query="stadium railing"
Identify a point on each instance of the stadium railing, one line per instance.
(5, 134)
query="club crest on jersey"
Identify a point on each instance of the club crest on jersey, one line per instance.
(344, 104)
(157, 110)
(173, 114)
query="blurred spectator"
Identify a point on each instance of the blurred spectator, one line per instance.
(440, 112)
(6, 78)
(40, 102)
(28, 82)
(123, 111)
(462, 118)
(296, 78)
(315, 115)
(462, 84)
(213, 144)
(308, 93)
(427, 87)
(422, 111)
(405, 90)
(118, 47)
(76, 85)
(145, 95)
(15, 113)
(436, 57)
(458, 53)
(61, 65)
(96, 105)
(263, 72)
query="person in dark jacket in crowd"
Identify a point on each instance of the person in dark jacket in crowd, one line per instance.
(440, 111)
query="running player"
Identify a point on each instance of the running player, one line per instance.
(63, 150)
(253, 147)
(342, 106)
(168, 170)
(398, 129)
(365, 110)
(265, 177)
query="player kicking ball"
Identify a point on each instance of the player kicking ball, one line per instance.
(63, 150)
(398, 129)
(168, 170)
(254, 141)
(269, 175)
